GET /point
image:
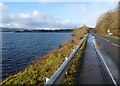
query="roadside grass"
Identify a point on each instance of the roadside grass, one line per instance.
(113, 36)
(74, 68)
(35, 74)
(79, 32)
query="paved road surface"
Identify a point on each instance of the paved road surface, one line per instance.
(111, 47)
(92, 71)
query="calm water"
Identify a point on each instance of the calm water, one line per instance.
(20, 49)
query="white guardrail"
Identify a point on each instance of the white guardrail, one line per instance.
(62, 70)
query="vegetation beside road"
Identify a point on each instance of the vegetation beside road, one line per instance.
(109, 20)
(80, 32)
(113, 37)
(70, 77)
(35, 74)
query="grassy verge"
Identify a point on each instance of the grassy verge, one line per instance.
(35, 74)
(113, 36)
(70, 77)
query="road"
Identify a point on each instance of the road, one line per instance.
(110, 46)
(93, 70)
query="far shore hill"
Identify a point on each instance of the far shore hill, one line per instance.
(19, 30)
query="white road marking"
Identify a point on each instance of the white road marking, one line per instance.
(112, 43)
(105, 64)
(115, 45)
(108, 40)
(105, 39)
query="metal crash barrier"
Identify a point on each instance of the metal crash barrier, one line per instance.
(62, 70)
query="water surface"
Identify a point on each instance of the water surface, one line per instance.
(20, 49)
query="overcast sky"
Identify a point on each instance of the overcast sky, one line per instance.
(52, 14)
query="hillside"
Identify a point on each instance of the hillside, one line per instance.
(79, 32)
(108, 20)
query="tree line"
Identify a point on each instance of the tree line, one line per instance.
(109, 20)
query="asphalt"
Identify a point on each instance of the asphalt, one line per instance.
(110, 50)
(110, 47)
(92, 71)
(113, 40)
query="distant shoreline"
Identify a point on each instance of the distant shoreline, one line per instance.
(44, 31)
(33, 30)
(37, 31)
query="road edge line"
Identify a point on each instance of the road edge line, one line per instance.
(104, 63)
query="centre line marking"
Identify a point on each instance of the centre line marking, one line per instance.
(115, 45)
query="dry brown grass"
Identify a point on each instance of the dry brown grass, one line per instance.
(80, 32)
(109, 20)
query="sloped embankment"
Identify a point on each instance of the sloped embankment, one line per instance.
(35, 74)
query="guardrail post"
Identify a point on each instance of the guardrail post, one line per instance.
(66, 58)
(46, 80)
